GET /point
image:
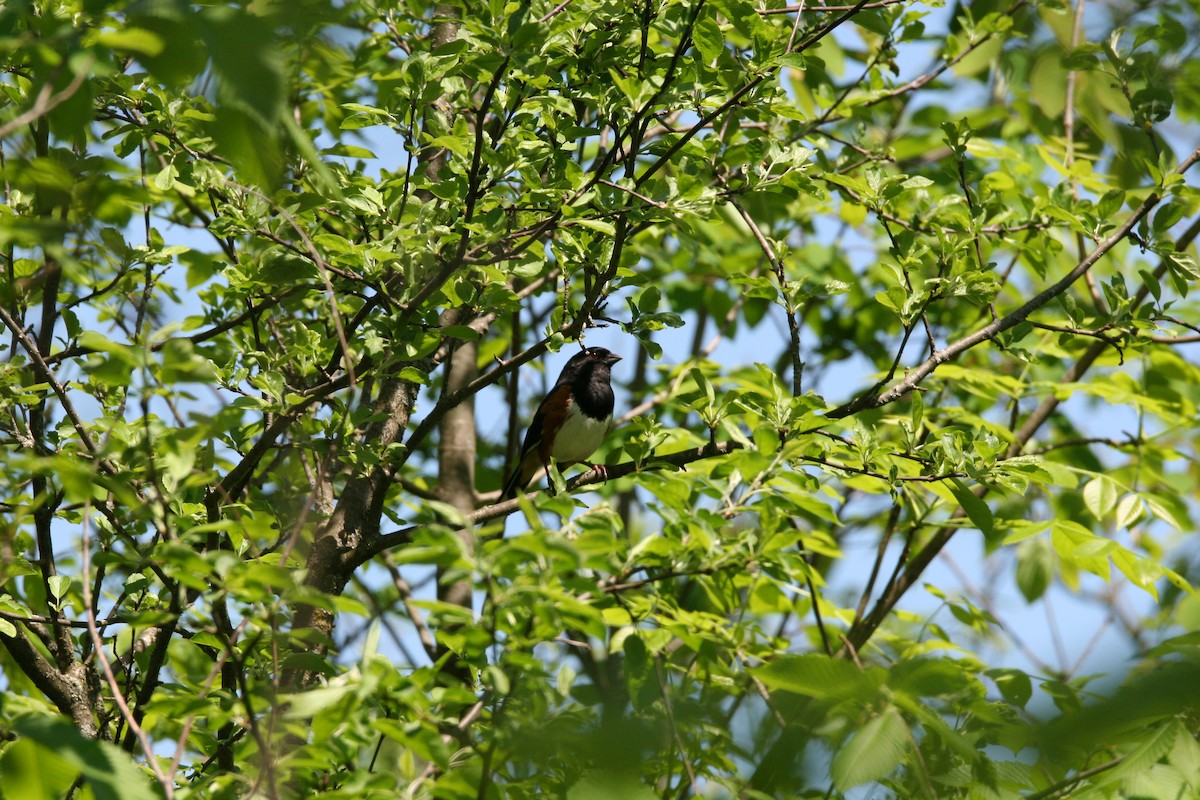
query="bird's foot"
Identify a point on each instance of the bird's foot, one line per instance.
(600, 469)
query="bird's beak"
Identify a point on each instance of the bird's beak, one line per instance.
(611, 359)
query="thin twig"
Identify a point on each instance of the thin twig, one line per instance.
(784, 290)
(181, 747)
(766, 12)
(990, 331)
(85, 567)
(596, 475)
(908, 571)
(43, 370)
(554, 12)
(1069, 783)
(46, 102)
(670, 713)
(816, 607)
(414, 614)
(737, 96)
(431, 768)
(933, 74)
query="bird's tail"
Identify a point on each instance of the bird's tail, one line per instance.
(514, 484)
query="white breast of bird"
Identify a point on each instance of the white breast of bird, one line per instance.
(579, 435)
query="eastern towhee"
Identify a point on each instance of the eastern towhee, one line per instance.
(572, 420)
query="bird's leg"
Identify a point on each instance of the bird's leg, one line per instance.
(600, 468)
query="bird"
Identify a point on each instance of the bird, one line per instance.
(571, 421)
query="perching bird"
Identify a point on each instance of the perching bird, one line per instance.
(572, 420)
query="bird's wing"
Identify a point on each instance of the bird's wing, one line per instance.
(539, 438)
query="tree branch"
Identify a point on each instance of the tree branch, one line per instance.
(908, 572)
(591, 477)
(990, 331)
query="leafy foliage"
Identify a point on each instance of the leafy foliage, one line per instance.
(893, 281)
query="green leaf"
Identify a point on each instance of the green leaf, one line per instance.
(1152, 747)
(766, 440)
(1110, 204)
(181, 364)
(1100, 496)
(1014, 685)
(305, 705)
(595, 224)
(706, 33)
(133, 40)
(916, 182)
(610, 786)
(252, 148)
(464, 332)
(165, 179)
(182, 55)
(59, 585)
(1079, 547)
(1152, 104)
(817, 675)
(29, 771)
(108, 771)
(246, 58)
(931, 677)
(1142, 572)
(872, 753)
(1160, 509)
(977, 510)
(1035, 568)
(1129, 510)
(348, 151)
